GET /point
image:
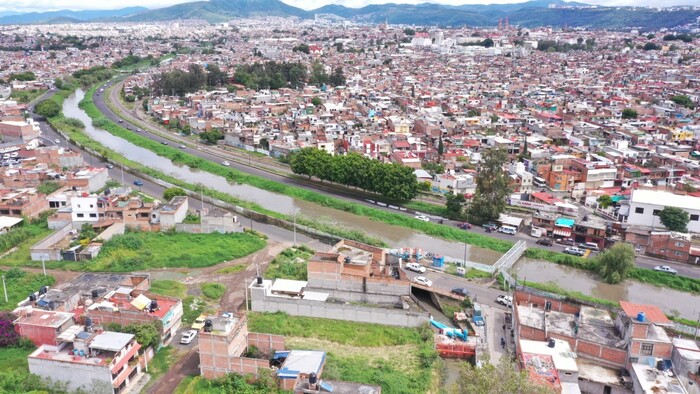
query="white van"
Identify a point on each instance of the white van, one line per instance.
(510, 230)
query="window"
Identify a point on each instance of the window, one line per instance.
(80, 215)
(677, 253)
(695, 218)
(639, 210)
(647, 349)
(93, 215)
(680, 244)
(656, 212)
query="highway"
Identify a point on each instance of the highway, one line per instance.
(243, 164)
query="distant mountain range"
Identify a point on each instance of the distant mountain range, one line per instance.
(66, 16)
(529, 14)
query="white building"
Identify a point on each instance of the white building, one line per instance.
(85, 209)
(645, 206)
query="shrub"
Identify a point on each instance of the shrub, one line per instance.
(213, 291)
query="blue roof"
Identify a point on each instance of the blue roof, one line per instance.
(564, 222)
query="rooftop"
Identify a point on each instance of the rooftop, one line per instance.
(594, 325)
(653, 313)
(562, 356)
(111, 341)
(653, 381)
(653, 197)
(302, 361)
(38, 317)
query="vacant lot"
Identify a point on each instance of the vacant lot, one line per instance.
(145, 250)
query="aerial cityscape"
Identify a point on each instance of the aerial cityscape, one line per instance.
(256, 196)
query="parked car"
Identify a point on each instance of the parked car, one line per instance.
(423, 218)
(464, 226)
(460, 291)
(182, 147)
(490, 226)
(545, 241)
(574, 251)
(138, 182)
(566, 241)
(199, 322)
(57, 141)
(164, 142)
(589, 245)
(505, 300)
(188, 337)
(225, 163)
(415, 267)
(666, 269)
(109, 165)
(508, 230)
(422, 280)
(121, 120)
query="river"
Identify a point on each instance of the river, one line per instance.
(394, 236)
(687, 304)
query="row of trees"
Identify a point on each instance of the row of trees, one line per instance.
(390, 180)
(178, 82)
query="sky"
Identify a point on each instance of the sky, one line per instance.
(53, 5)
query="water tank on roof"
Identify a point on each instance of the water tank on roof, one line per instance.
(313, 378)
(88, 322)
(259, 280)
(551, 343)
(641, 316)
(95, 294)
(208, 325)
(32, 297)
(43, 290)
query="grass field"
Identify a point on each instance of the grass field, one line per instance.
(234, 269)
(149, 250)
(170, 288)
(399, 359)
(14, 358)
(290, 264)
(213, 291)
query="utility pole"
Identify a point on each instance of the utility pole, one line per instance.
(296, 211)
(695, 337)
(4, 288)
(43, 264)
(465, 254)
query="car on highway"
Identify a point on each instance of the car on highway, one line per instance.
(109, 165)
(490, 226)
(422, 280)
(164, 142)
(138, 182)
(57, 141)
(182, 147)
(138, 130)
(460, 291)
(225, 163)
(574, 251)
(666, 269)
(505, 300)
(545, 242)
(121, 121)
(188, 336)
(465, 226)
(422, 217)
(199, 322)
(415, 267)
(589, 245)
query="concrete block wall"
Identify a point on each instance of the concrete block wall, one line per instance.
(395, 287)
(353, 296)
(45, 248)
(326, 310)
(239, 365)
(327, 284)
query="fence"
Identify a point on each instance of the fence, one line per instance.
(510, 257)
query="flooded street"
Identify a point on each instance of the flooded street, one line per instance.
(687, 304)
(395, 236)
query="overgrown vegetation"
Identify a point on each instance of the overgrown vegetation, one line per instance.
(146, 334)
(399, 359)
(26, 96)
(290, 264)
(230, 383)
(270, 75)
(213, 291)
(553, 287)
(20, 284)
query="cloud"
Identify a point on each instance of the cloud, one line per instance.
(53, 5)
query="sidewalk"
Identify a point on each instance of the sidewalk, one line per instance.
(494, 332)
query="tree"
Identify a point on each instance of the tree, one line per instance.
(409, 32)
(316, 101)
(615, 263)
(146, 334)
(171, 192)
(48, 109)
(604, 201)
(503, 378)
(683, 100)
(492, 186)
(650, 46)
(301, 48)
(441, 146)
(487, 43)
(454, 204)
(58, 83)
(337, 78)
(629, 113)
(675, 219)
(211, 136)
